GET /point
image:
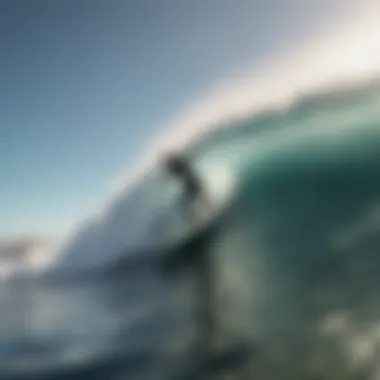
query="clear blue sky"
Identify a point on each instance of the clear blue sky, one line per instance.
(85, 83)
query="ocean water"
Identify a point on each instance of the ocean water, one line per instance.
(295, 261)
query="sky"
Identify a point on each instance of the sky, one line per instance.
(86, 84)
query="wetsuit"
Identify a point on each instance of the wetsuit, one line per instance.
(180, 168)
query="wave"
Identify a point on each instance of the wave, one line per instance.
(294, 93)
(313, 132)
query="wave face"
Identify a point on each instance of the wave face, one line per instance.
(298, 260)
(326, 140)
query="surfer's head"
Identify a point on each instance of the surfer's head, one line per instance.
(173, 162)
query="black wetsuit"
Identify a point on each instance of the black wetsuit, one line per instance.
(180, 168)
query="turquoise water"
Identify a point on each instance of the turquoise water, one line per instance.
(296, 263)
(298, 258)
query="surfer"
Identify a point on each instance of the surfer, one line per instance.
(196, 254)
(180, 168)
